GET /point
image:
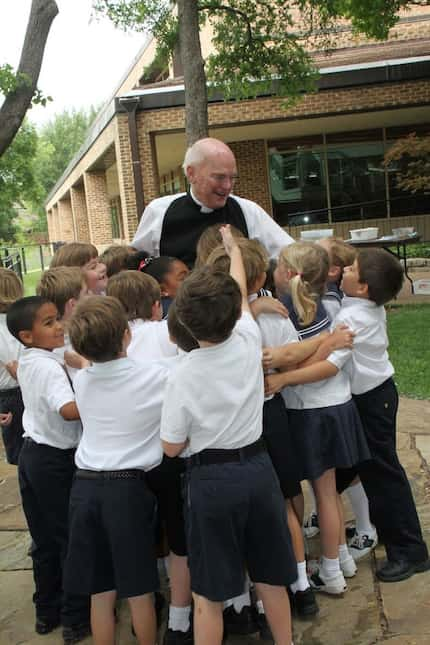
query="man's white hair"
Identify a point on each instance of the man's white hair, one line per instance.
(201, 150)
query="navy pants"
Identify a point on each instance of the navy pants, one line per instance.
(392, 506)
(11, 401)
(45, 479)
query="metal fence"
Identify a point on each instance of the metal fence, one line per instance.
(29, 258)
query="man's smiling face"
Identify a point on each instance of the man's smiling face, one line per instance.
(212, 180)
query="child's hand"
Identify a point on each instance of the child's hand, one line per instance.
(342, 337)
(11, 367)
(5, 418)
(268, 305)
(273, 383)
(227, 239)
(272, 358)
(72, 359)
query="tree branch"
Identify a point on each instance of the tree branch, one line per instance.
(236, 12)
(17, 102)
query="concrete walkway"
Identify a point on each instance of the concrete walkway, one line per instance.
(370, 612)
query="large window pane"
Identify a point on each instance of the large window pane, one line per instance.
(298, 186)
(357, 181)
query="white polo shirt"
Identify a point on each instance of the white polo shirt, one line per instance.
(215, 395)
(10, 350)
(120, 406)
(150, 340)
(45, 388)
(275, 331)
(367, 364)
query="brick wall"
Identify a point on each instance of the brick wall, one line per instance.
(98, 208)
(79, 208)
(253, 182)
(125, 177)
(65, 216)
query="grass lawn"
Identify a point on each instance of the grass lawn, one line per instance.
(409, 334)
(30, 282)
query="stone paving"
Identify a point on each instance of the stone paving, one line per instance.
(370, 612)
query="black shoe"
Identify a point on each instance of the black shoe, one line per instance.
(46, 625)
(176, 637)
(264, 628)
(396, 570)
(243, 623)
(76, 634)
(350, 532)
(304, 603)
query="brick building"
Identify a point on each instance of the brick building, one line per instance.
(315, 164)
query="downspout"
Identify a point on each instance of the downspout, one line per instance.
(130, 104)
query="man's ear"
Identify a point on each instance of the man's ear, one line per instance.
(26, 336)
(190, 174)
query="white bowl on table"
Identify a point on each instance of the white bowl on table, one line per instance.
(404, 231)
(316, 234)
(364, 234)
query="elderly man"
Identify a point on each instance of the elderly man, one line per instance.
(172, 225)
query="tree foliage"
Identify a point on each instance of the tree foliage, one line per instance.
(411, 155)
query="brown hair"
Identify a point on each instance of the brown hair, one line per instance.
(209, 240)
(340, 253)
(74, 254)
(208, 304)
(254, 257)
(97, 327)
(310, 263)
(136, 291)
(382, 273)
(61, 284)
(11, 289)
(115, 258)
(178, 333)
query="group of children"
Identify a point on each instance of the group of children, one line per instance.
(109, 384)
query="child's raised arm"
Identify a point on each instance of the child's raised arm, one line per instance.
(237, 270)
(310, 374)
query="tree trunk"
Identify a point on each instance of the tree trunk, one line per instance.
(196, 100)
(17, 103)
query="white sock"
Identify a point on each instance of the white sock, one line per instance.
(344, 554)
(313, 501)
(259, 605)
(241, 601)
(179, 618)
(330, 566)
(302, 582)
(360, 507)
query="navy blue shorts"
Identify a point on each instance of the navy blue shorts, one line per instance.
(111, 538)
(235, 520)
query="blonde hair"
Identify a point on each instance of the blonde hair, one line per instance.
(115, 258)
(209, 240)
(340, 253)
(11, 289)
(60, 284)
(74, 254)
(310, 263)
(136, 291)
(254, 257)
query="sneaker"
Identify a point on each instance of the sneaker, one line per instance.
(303, 603)
(76, 634)
(243, 623)
(311, 526)
(46, 625)
(362, 544)
(348, 566)
(176, 637)
(333, 585)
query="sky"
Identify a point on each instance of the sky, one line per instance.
(84, 60)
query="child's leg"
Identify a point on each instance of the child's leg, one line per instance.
(326, 496)
(298, 504)
(103, 618)
(360, 507)
(295, 532)
(180, 593)
(208, 622)
(346, 561)
(143, 619)
(277, 608)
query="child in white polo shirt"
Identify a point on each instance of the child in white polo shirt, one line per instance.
(112, 510)
(235, 515)
(46, 466)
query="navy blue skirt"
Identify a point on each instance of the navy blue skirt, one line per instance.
(324, 438)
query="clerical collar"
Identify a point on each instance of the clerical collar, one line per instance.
(203, 208)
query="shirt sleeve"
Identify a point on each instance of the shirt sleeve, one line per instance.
(58, 388)
(167, 347)
(174, 426)
(263, 228)
(147, 236)
(247, 326)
